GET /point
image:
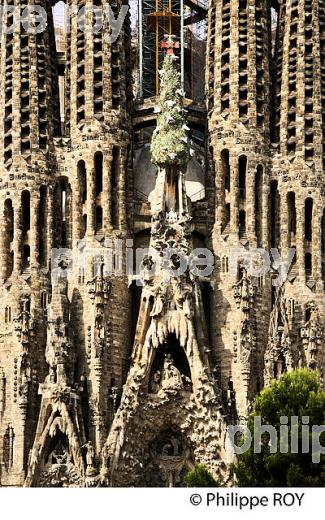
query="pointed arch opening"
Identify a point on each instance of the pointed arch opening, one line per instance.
(25, 211)
(25, 223)
(170, 368)
(42, 226)
(242, 223)
(309, 203)
(274, 214)
(225, 168)
(114, 186)
(58, 468)
(8, 237)
(82, 179)
(292, 218)
(62, 199)
(242, 173)
(308, 264)
(99, 173)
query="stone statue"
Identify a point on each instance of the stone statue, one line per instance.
(155, 383)
(171, 376)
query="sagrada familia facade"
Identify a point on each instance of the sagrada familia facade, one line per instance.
(132, 379)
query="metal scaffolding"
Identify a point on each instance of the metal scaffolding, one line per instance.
(157, 19)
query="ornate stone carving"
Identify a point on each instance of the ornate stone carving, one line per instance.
(244, 291)
(279, 354)
(2, 392)
(25, 328)
(171, 306)
(312, 334)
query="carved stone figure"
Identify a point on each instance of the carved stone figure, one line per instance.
(171, 376)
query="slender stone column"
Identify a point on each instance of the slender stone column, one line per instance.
(234, 223)
(265, 212)
(300, 239)
(17, 242)
(107, 193)
(317, 243)
(121, 189)
(250, 204)
(34, 230)
(76, 209)
(90, 198)
(4, 242)
(49, 234)
(284, 225)
(220, 194)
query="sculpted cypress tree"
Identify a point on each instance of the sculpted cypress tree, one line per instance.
(170, 145)
(295, 394)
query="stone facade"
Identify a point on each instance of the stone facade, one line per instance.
(130, 380)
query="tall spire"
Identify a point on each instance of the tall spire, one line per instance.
(29, 100)
(29, 123)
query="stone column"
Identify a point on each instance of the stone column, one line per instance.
(220, 194)
(107, 193)
(300, 82)
(234, 64)
(17, 242)
(180, 193)
(234, 224)
(91, 198)
(4, 240)
(265, 214)
(122, 189)
(251, 66)
(49, 233)
(284, 225)
(250, 203)
(34, 230)
(317, 243)
(89, 62)
(300, 239)
(76, 208)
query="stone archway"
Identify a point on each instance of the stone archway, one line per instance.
(170, 367)
(58, 468)
(171, 459)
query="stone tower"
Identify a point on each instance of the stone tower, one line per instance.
(238, 89)
(266, 145)
(63, 190)
(296, 186)
(29, 123)
(98, 159)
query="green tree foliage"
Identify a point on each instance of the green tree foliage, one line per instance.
(297, 393)
(199, 476)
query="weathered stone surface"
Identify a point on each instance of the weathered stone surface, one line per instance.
(106, 382)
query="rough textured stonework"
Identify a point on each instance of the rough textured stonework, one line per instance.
(130, 380)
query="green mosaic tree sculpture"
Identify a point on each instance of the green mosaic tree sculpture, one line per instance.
(170, 146)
